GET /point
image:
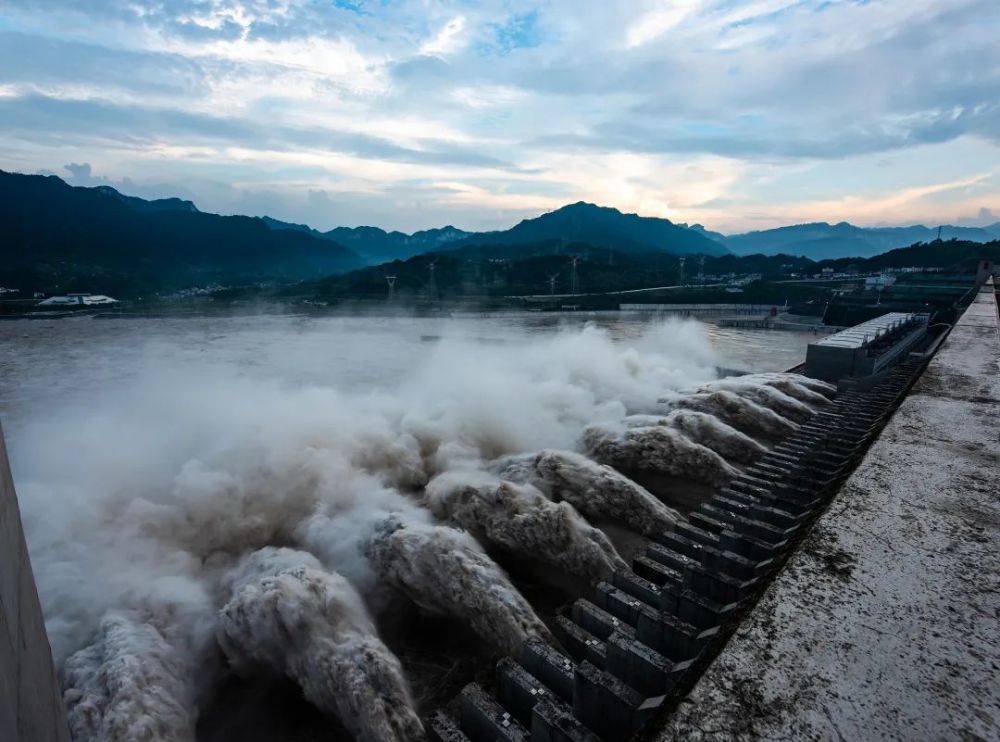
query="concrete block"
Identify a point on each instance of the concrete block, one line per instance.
(713, 558)
(676, 560)
(598, 621)
(672, 637)
(609, 706)
(553, 721)
(706, 522)
(747, 525)
(718, 586)
(642, 667)
(656, 572)
(747, 546)
(698, 535)
(442, 728)
(636, 586)
(549, 665)
(696, 609)
(579, 642)
(620, 604)
(518, 690)
(756, 510)
(485, 720)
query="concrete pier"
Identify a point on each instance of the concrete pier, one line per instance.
(885, 622)
(31, 705)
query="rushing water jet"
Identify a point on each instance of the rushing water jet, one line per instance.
(288, 614)
(764, 395)
(707, 430)
(130, 685)
(594, 489)
(521, 519)
(445, 571)
(745, 415)
(657, 449)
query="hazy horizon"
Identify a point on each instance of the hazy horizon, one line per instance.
(410, 115)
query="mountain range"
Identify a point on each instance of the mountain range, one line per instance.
(609, 228)
(54, 236)
(57, 237)
(581, 222)
(822, 241)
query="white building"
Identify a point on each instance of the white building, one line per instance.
(78, 300)
(879, 282)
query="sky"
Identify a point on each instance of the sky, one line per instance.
(411, 114)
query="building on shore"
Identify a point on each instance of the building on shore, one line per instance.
(78, 300)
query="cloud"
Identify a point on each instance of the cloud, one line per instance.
(707, 110)
(448, 40)
(658, 20)
(80, 173)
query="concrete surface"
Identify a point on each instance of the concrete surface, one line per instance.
(31, 708)
(885, 624)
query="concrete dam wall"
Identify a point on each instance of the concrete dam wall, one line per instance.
(31, 705)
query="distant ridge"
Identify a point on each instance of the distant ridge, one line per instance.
(376, 244)
(147, 207)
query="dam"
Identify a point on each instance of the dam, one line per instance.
(778, 605)
(882, 623)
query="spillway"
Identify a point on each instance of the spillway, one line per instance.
(598, 592)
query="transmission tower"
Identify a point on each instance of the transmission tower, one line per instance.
(701, 269)
(391, 280)
(552, 283)
(574, 260)
(432, 283)
(680, 279)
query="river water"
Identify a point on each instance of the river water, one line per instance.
(139, 446)
(48, 363)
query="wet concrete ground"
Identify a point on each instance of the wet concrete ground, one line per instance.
(885, 624)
